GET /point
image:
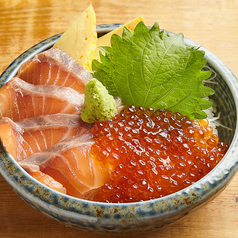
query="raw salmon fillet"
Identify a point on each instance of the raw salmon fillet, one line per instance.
(41, 128)
(23, 138)
(48, 181)
(70, 163)
(19, 100)
(54, 67)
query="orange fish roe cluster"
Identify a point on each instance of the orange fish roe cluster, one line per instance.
(153, 153)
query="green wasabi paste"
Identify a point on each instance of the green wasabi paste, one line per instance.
(99, 105)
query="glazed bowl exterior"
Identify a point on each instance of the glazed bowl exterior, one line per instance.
(139, 216)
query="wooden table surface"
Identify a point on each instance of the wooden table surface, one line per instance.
(213, 24)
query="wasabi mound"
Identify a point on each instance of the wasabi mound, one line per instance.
(99, 105)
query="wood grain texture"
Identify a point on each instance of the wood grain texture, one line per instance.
(213, 24)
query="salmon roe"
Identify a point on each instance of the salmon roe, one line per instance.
(153, 153)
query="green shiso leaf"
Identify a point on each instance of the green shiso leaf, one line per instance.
(151, 68)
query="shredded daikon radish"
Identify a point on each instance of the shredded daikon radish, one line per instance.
(214, 121)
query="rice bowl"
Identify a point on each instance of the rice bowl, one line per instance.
(121, 218)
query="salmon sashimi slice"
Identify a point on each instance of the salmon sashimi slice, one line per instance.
(19, 100)
(48, 181)
(8, 136)
(71, 190)
(70, 161)
(23, 138)
(56, 68)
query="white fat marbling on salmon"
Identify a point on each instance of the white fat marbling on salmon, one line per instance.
(19, 100)
(72, 159)
(56, 68)
(35, 134)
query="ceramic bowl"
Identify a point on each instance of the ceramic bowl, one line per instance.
(139, 216)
